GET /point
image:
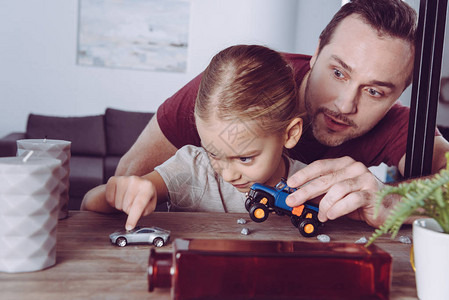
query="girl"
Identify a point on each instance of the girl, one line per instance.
(247, 114)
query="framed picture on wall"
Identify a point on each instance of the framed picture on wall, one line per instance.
(135, 34)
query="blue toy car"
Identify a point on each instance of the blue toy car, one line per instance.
(262, 199)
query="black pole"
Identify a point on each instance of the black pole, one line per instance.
(426, 87)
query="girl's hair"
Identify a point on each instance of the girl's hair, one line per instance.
(249, 83)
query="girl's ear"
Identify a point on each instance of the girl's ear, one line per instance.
(293, 133)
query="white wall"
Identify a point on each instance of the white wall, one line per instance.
(39, 73)
(313, 16)
(217, 24)
(443, 108)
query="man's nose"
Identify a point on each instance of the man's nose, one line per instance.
(347, 100)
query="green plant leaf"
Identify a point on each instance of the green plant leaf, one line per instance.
(429, 195)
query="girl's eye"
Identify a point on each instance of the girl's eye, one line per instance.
(211, 155)
(338, 74)
(246, 160)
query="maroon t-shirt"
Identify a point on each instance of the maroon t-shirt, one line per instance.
(386, 142)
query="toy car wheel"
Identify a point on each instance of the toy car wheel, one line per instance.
(308, 227)
(295, 221)
(258, 212)
(265, 199)
(248, 203)
(158, 242)
(121, 242)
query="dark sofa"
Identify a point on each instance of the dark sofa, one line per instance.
(98, 143)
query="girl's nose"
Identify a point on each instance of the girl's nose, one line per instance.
(229, 173)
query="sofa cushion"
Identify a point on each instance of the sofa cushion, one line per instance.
(87, 134)
(8, 144)
(86, 172)
(110, 164)
(123, 128)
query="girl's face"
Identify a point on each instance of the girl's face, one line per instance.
(240, 154)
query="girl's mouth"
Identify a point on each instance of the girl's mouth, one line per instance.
(240, 186)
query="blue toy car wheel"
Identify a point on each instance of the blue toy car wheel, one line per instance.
(295, 220)
(248, 203)
(265, 199)
(258, 212)
(308, 227)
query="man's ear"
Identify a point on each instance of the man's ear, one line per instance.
(293, 133)
(315, 55)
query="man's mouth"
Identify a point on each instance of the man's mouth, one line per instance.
(335, 124)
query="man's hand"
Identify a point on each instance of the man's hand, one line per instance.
(349, 188)
(134, 195)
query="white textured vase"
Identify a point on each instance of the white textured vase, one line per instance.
(52, 149)
(431, 258)
(29, 200)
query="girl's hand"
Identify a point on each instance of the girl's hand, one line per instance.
(133, 195)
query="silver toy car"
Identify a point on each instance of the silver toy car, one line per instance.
(151, 235)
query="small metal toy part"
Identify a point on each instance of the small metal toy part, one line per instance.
(140, 235)
(245, 231)
(404, 239)
(323, 238)
(241, 221)
(263, 199)
(361, 240)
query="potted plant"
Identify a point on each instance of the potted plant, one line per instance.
(428, 198)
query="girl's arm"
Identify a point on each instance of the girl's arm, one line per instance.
(134, 195)
(95, 200)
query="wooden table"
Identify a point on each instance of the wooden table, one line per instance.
(89, 267)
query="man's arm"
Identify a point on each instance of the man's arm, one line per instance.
(348, 188)
(151, 149)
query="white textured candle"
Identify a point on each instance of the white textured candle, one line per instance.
(52, 149)
(29, 199)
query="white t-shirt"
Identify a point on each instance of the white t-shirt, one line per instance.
(193, 184)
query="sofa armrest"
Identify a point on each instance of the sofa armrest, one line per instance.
(8, 144)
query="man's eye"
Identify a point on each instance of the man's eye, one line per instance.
(338, 74)
(374, 92)
(246, 160)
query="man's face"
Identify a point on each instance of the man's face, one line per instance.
(355, 80)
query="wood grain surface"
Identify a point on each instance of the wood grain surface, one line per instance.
(88, 266)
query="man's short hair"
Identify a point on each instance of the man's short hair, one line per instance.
(393, 18)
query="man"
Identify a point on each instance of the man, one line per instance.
(348, 88)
